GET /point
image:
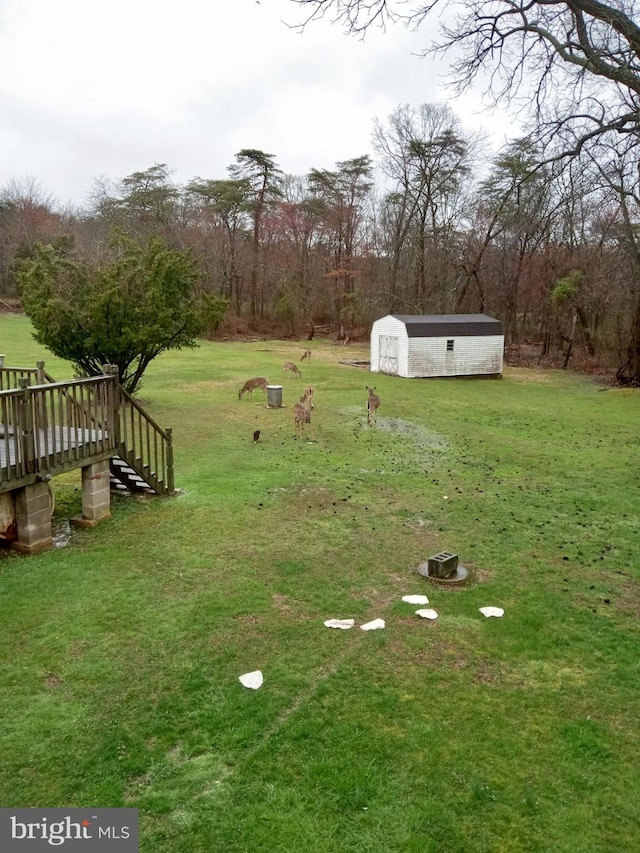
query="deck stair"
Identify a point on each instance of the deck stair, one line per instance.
(144, 462)
(124, 479)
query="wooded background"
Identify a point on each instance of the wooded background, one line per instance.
(430, 221)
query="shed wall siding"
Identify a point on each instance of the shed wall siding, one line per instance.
(471, 356)
(390, 327)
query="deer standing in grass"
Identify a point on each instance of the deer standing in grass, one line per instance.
(289, 365)
(250, 384)
(373, 404)
(307, 397)
(301, 416)
(306, 354)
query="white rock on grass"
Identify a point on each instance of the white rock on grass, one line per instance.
(253, 680)
(340, 623)
(492, 611)
(372, 626)
(427, 614)
(415, 599)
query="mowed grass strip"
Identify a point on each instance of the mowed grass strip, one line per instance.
(121, 651)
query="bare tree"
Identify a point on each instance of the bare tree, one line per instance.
(519, 199)
(427, 156)
(296, 222)
(342, 194)
(575, 62)
(28, 215)
(572, 65)
(617, 163)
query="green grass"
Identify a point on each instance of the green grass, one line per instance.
(121, 651)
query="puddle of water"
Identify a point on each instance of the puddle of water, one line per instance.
(61, 532)
(417, 434)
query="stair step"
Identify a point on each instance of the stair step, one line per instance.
(125, 469)
(125, 477)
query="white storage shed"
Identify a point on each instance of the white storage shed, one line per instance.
(437, 345)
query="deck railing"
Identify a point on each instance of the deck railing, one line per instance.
(144, 445)
(10, 376)
(13, 464)
(48, 429)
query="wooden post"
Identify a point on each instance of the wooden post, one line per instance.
(26, 428)
(40, 400)
(170, 478)
(112, 370)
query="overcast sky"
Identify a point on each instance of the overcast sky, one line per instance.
(91, 88)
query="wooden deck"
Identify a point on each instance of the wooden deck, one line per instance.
(55, 427)
(52, 427)
(55, 446)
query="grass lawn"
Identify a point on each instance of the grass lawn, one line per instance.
(121, 652)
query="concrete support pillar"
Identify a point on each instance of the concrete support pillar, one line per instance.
(33, 518)
(96, 495)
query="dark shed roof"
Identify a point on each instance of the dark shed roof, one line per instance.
(441, 325)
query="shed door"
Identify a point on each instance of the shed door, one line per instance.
(388, 358)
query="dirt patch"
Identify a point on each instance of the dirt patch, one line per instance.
(280, 602)
(287, 607)
(629, 604)
(313, 498)
(246, 619)
(77, 650)
(612, 592)
(396, 578)
(485, 673)
(446, 653)
(627, 597)
(418, 523)
(436, 653)
(377, 599)
(478, 575)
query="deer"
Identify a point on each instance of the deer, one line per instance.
(250, 384)
(306, 354)
(373, 404)
(301, 416)
(307, 397)
(289, 365)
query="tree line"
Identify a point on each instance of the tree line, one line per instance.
(429, 222)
